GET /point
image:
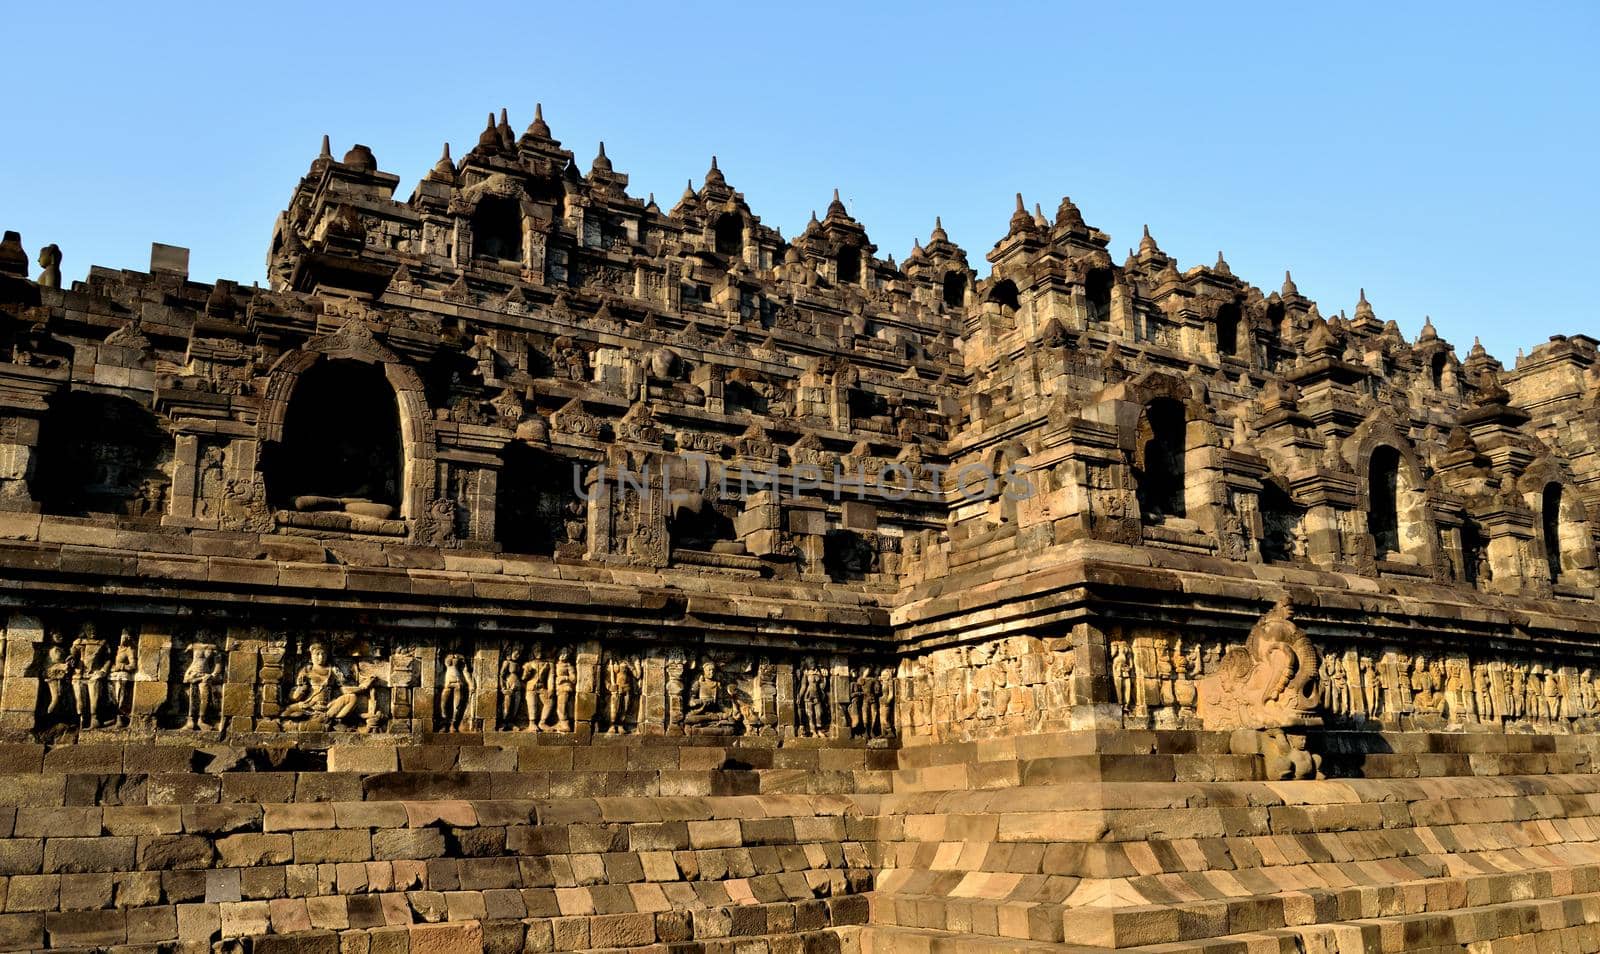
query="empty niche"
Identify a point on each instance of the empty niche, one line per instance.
(847, 266)
(538, 507)
(955, 289)
(102, 454)
(1160, 474)
(497, 230)
(1383, 505)
(730, 234)
(1228, 330)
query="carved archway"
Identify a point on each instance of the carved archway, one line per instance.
(1416, 538)
(500, 191)
(1565, 537)
(355, 342)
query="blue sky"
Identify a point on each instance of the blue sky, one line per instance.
(1442, 156)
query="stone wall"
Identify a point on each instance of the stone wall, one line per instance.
(528, 567)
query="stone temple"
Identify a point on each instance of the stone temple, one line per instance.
(530, 568)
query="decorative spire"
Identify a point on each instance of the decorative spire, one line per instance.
(687, 200)
(601, 163)
(361, 159)
(938, 231)
(327, 149)
(714, 175)
(1038, 217)
(650, 204)
(445, 169)
(1221, 268)
(1364, 312)
(1428, 332)
(507, 140)
(836, 207)
(1068, 217)
(538, 129)
(490, 137)
(1477, 349)
(1021, 221)
(1147, 245)
(1289, 287)
(916, 252)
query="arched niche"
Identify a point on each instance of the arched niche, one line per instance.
(501, 214)
(847, 265)
(954, 288)
(1097, 294)
(1282, 523)
(1565, 539)
(1004, 293)
(539, 507)
(1475, 566)
(101, 453)
(1393, 495)
(346, 381)
(1227, 327)
(1383, 501)
(848, 555)
(497, 229)
(341, 443)
(1550, 527)
(729, 234)
(697, 522)
(1002, 479)
(1161, 460)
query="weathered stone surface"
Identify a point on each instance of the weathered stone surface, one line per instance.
(912, 609)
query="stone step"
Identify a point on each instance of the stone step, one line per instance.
(1063, 769)
(1174, 756)
(496, 752)
(1237, 842)
(467, 921)
(1512, 924)
(192, 787)
(899, 939)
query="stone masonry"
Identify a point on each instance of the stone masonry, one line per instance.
(529, 568)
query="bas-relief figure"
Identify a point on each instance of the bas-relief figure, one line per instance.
(623, 674)
(811, 698)
(90, 663)
(323, 691)
(1332, 452)
(456, 690)
(124, 670)
(200, 682)
(512, 686)
(710, 708)
(55, 672)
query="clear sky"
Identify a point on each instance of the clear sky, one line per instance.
(1441, 155)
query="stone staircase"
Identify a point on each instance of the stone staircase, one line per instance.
(1067, 842)
(500, 845)
(1149, 841)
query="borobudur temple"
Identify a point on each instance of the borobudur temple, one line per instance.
(527, 567)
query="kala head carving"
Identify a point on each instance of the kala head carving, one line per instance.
(1271, 682)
